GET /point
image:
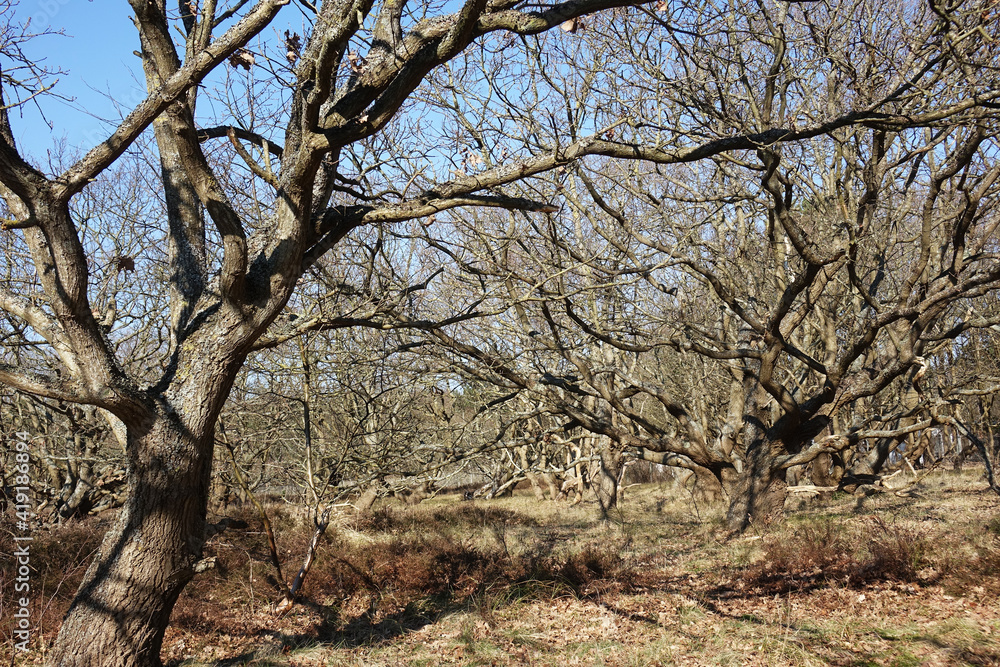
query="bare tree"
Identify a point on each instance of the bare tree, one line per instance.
(821, 276)
(348, 142)
(230, 273)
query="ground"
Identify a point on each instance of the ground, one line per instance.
(907, 579)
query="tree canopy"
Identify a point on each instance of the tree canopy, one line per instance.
(734, 237)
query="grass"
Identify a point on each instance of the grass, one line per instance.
(900, 581)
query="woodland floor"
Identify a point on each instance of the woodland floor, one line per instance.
(908, 579)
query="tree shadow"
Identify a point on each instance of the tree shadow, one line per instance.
(331, 632)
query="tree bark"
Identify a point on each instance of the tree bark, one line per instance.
(866, 467)
(827, 470)
(757, 500)
(989, 449)
(758, 496)
(367, 499)
(707, 488)
(536, 487)
(123, 605)
(609, 468)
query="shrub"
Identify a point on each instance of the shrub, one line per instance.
(895, 553)
(390, 520)
(823, 552)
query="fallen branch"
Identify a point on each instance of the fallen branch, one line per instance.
(812, 488)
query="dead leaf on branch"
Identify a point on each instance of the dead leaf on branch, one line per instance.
(124, 263)
(573, 25)
(293, 43)
(242, 58)
(355, 61)
(472, 160)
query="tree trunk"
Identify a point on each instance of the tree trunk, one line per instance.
(706, 489)
(758, 497)
(122, 608)
(606, 483)
(872, 462)
(536, 487)
(989, 449)
(551, 483)
(827, 470)
(757, 500)
(367, 499)
(866, 467)
(793, 476)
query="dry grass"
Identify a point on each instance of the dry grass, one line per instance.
(824, 552)
(890, 580)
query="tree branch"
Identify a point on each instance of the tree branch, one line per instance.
(43, 385)
(101, 156)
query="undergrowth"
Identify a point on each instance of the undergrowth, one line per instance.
(400, 567)
(824, 552)
(403, 564)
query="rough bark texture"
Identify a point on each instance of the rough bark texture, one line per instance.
(757, 500)
(121, 610)
(758, 496)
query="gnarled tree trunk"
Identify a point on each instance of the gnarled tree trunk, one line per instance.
(758, 496)
(122, 608)
(827, 470)
(757, 499)
(867, 466)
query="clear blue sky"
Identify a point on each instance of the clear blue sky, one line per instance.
(95, 53)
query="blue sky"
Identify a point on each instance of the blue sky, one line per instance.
(102, 76)
(101, 73)
(95, 53)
